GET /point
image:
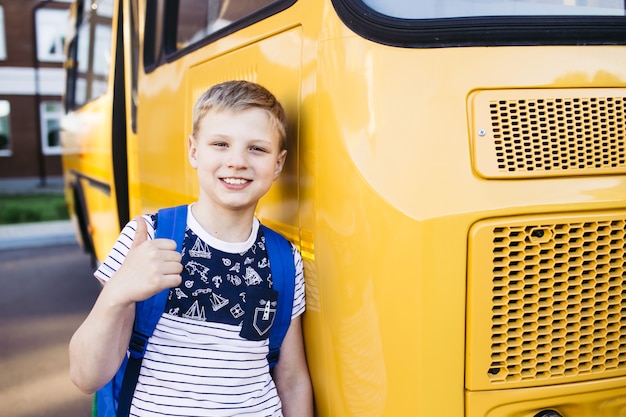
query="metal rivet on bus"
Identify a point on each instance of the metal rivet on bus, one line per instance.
(482, 132)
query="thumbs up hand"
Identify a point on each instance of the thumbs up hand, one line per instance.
(150, 267)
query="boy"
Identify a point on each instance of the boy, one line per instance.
(201, 360)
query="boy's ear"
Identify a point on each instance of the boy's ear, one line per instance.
(280, 163)
(192, 149)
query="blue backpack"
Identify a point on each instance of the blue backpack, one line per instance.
(115, 397)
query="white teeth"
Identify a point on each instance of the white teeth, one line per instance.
(235, 181)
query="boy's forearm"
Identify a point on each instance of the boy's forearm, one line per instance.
(98, 346)
(297, 399)
(291, 374)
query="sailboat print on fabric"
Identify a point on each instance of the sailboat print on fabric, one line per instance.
(252, 277)
(217, 301)
(200, 250)
(195, 312)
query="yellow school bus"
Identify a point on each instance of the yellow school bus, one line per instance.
(455, 182)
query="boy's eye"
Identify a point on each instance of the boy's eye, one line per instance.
(258, 149)
(220, 144)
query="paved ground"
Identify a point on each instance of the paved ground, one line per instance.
(46, 290)
(31, 185)
(45, 293)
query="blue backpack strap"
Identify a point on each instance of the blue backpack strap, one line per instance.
(171, 224)
(283, 275)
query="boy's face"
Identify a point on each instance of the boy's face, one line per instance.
(237, 156)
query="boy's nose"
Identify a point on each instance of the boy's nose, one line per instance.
(237, 159)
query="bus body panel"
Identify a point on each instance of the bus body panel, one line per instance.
(134, 21)
(88, 165)
(606, 399)
(396, 159)
(386, 194)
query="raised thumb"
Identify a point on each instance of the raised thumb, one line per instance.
(141, 233)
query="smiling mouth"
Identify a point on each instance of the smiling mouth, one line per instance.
(235, 181)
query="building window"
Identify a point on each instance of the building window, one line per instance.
(51, 112)
(5, 128)
(91, 51)
(51, 27)
(3, 43)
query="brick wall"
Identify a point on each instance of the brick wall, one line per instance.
(18, 86)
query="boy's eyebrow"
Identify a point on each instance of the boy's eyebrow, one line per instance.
(216, 136)
(261, 140)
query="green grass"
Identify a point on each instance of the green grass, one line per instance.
(32, 208)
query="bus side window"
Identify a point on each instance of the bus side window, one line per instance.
(198, 19)
(153, 34)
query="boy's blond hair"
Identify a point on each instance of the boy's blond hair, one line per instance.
(241, 95)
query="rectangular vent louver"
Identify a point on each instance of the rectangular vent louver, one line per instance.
(529, 133)
(557, 300)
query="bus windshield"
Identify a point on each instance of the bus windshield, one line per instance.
(435, 9)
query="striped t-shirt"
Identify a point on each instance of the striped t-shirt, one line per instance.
(207, 356)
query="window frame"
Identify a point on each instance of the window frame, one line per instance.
(44, 117)
(9, 149)
(441, 9)
(161, 30)
(3, 36)
(59, 40)
(90, 84)
(481, 30)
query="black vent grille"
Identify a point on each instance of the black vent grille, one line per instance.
(557, 135)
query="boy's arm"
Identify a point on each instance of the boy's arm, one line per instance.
(291, 374)
(98, 346)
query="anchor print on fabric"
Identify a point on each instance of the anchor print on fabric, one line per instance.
(217, 281)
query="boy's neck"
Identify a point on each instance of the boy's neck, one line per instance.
(225, 225)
